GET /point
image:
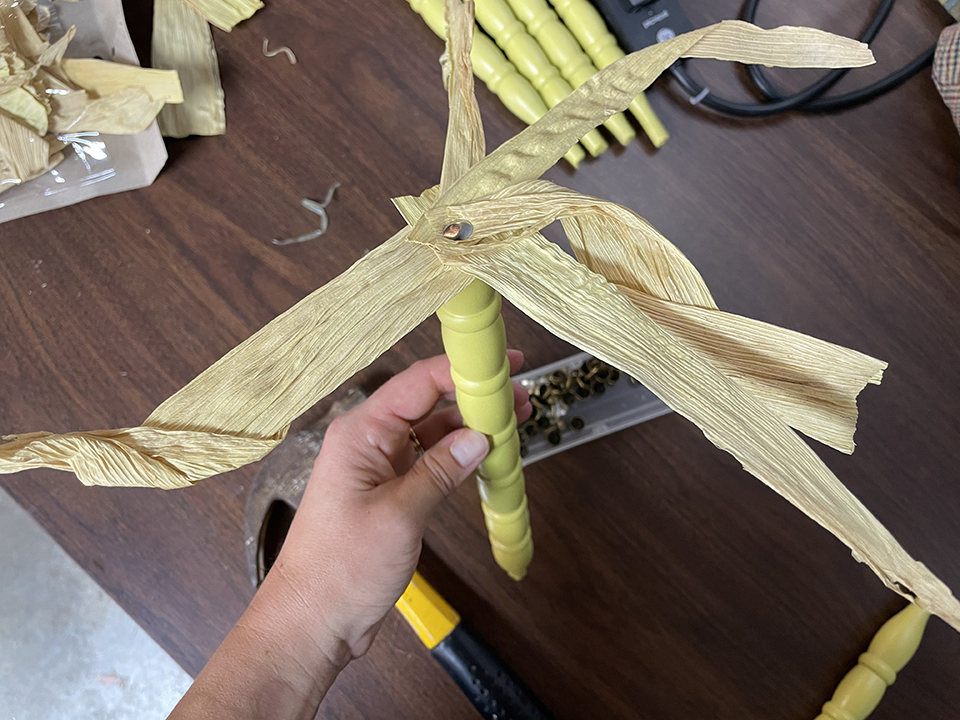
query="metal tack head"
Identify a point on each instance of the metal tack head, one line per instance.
(458, 231)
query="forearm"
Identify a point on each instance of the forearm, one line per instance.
(278, 662)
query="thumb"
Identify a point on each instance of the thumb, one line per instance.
(441, 470)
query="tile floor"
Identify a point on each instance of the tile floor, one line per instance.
(68, 651)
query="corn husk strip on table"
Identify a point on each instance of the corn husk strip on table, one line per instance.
(182, 41)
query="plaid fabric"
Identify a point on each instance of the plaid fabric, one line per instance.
(946, 69)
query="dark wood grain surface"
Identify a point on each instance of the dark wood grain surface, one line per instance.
(667, 583)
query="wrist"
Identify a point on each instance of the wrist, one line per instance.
(277, 662)
(301, 620)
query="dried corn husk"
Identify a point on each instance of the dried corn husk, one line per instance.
(632, 299)
(24, 154)
(40, 92)
(19, 33)
(226, 13)
(126, 112)
(106, 78)
(23, 106)
(182, 41)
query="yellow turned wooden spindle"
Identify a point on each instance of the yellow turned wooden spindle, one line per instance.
(588, 27)
(861, 689)
(476, 343)
(498, 73)
(496, 17)
(564, 51)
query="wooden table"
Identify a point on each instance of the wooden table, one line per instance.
(667, 583)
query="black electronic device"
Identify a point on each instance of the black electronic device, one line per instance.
(639, 23)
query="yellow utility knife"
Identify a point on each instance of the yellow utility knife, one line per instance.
(493, 688)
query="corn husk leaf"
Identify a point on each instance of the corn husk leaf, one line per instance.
(22, 105)
(14, 73)
(610, 239)
(174, 458)
(106, 78)
(127, 112)
(583, 308)
(182, 41)
(23, 51)
(288, 366)
(19, 32)
(742, 382)
(23, 153)
(226, 13)
(811, 384)
(537, 148)
(312, 348)
(465, 144)
(55, 52)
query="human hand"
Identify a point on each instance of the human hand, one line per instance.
(350, 552)
(356, 538)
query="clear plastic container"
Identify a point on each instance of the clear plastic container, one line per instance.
(94, 164)
(622, 405)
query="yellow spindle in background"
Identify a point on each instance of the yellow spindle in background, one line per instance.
(496, 17)
(564, 51)
(476, 343)
(498, 73)
(588, 27)
(861, 689)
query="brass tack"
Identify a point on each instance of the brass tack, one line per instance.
(458, 231)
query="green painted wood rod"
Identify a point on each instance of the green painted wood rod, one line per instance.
(496, 17)
(497, 73)
(588, 27)
(565, 52)
(475, 340)
(861, 689)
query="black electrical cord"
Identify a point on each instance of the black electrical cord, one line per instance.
(809, 99)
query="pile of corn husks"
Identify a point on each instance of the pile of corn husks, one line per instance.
(44, 97)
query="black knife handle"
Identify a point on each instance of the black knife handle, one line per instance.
(485, 679)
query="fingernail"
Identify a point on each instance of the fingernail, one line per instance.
(469, 447)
